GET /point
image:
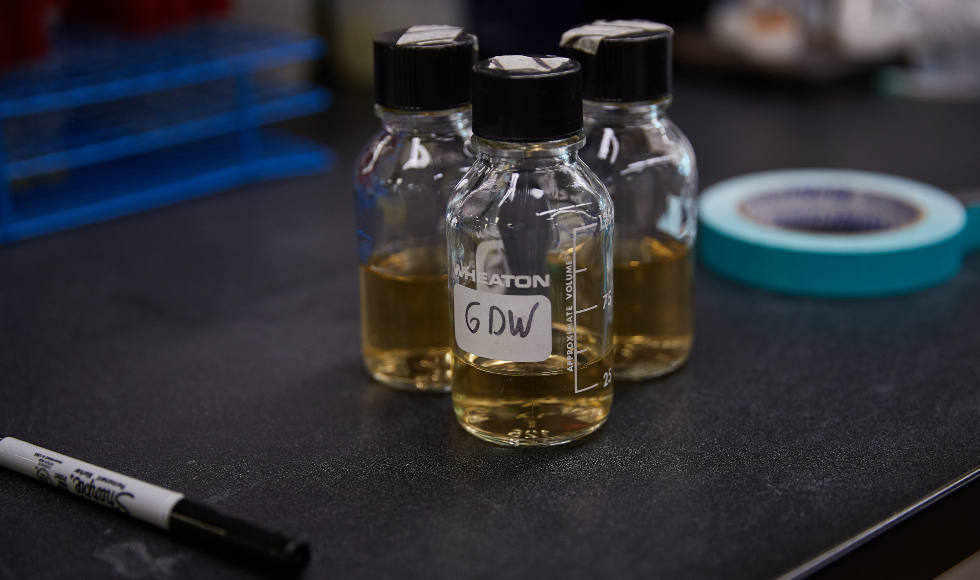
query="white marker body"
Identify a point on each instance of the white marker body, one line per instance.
(139, 499)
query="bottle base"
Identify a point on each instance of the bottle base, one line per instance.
(638, 358)
(531, 410)
(531, 438)
(424, 370)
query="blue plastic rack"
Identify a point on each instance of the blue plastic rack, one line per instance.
(111, 125)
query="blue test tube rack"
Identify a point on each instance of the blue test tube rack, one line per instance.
(110, 125)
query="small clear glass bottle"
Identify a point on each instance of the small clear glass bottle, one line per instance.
(530, 232)
(649, 168)
(403, 179)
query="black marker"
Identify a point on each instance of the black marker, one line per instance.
(161, 507)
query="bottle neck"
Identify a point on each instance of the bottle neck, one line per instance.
(449, 121)
(540, 152)
(623, 114)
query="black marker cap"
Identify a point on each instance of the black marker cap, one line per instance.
(233, 538)
(527, 98)
(423, 68)
(622, 60)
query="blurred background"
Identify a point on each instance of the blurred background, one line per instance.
(925, 48)
(918, 48)
(101, 99)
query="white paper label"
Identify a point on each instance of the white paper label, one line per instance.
(130, 496)
(429, 34)
(587, 38)
(516, 62)
(502, 326)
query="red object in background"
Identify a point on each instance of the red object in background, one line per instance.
(142, 16)
(90, 11)
(138, 15)
(23, 30)
(32, 29)
(182, 11)
(24, 24)
(213, 7)
(8, 49)
(154, 15)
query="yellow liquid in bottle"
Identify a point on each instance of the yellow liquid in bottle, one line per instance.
(531, 403)
(653, 317)
(405, 330)
(536, 403)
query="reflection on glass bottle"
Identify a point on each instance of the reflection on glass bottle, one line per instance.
(530, 256)
(403, 179)
(648, 166)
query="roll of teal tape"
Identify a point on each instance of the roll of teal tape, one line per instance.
(971, 234)
(832, 233)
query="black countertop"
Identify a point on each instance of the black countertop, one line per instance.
(213, 348)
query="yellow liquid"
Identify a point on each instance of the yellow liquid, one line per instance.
(652, 310)
(536, 403)
(405, 330)
(531, 403)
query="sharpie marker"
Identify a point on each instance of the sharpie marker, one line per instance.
(161, 507)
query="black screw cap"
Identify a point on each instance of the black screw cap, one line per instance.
(423, 68)
(527, 98)
(622, 60)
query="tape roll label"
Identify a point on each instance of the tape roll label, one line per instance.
(831, 210)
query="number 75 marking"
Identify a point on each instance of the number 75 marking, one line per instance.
(607, 299)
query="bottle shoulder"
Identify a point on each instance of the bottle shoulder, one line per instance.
(660, 142)
(677, 136)
(490, 189)
(412, 156)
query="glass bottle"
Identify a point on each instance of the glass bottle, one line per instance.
(403, 179)
(530, 254)
(649, 168)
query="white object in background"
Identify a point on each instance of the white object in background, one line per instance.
(945, 53)
(762, 33)
(873, 29)
(355, 23)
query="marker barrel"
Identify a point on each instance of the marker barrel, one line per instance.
(161, 507)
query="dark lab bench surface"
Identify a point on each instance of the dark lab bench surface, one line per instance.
(212, 348)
